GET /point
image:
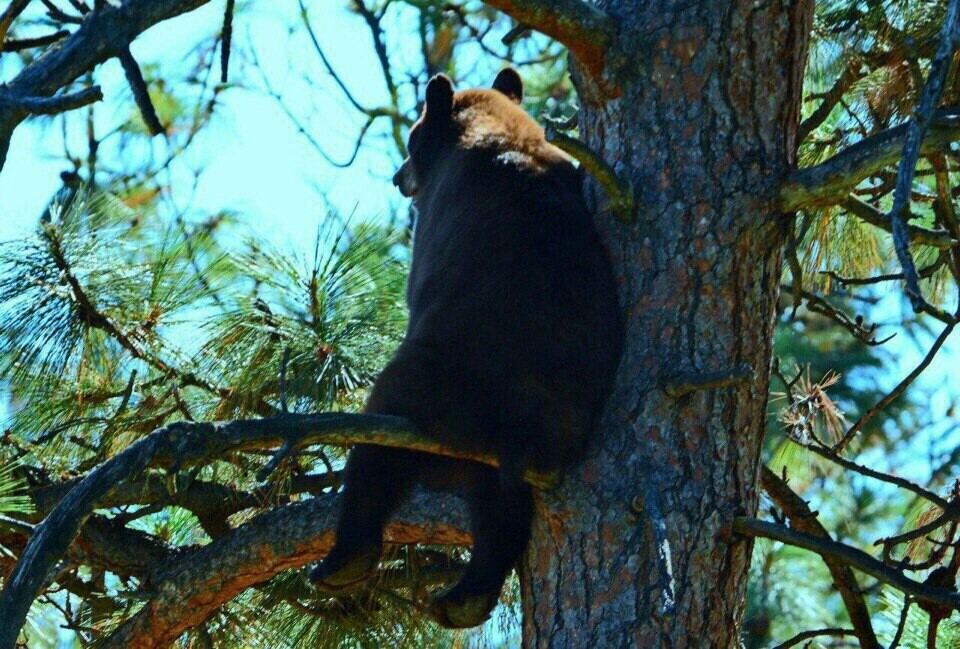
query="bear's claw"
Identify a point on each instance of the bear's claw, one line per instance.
(338, 574)
(458, 610)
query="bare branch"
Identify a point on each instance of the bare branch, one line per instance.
(187, 592)
(102, 35)
(619, 191)
(738, 376)
(866, 212)
(821, 305)
(903, 483)
(924, 273)
(14, 9)
(809, 635)
(20, 44)
(831, 181)
(140, 93)
(53, 105)
(225, 41)
(586, 30)
(848, 555)
(804, 520)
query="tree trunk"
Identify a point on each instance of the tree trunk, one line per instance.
(703, 122)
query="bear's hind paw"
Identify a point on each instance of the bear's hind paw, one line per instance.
(458, 610)
(337, 574)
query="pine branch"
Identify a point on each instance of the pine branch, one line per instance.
(184, 444)
(832, 181)
(183, 594)
(847, 555)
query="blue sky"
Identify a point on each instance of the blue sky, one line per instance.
(253, 159)
(255, 162)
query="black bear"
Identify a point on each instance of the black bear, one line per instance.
(512, 344)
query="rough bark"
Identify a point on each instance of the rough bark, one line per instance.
(188, 591)
(634, 549)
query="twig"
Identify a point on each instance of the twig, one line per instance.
(14, 9)
(20, 44)
(895, 392)
(275, 461)
(53, 105)
(851, 556)
(925, 273)
(141, 96)
(59, 15)
(903, 483)
(866, 212)
(821, 305)
(225, 39)
(518, 31)
(916, 131)
(902, 624)
(807, 635)
(619, 191)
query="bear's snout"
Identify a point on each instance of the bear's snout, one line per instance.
(405, 181)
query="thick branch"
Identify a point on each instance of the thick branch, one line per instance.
(803, 520)
(831, 181)
(850, 556)
(178, 446)
(187, 592)
(585, 30)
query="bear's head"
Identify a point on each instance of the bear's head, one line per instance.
(471, 120)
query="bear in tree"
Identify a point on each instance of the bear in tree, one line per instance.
(513, 340)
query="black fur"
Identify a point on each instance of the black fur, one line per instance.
(513, 340)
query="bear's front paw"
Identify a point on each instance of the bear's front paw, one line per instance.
(344, 571)
(458, 608)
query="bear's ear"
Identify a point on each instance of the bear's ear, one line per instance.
(509, 83)
(439, 100)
